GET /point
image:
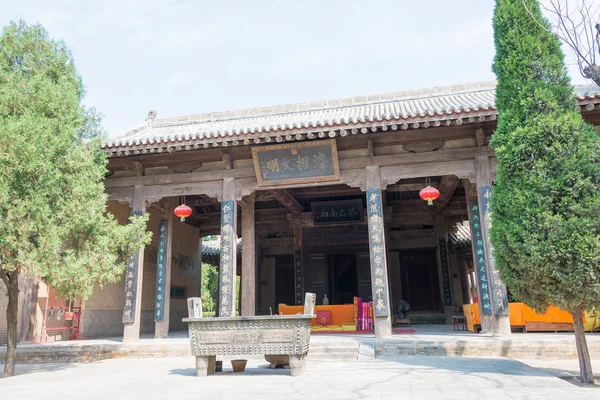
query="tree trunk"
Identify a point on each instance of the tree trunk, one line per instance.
(12, 280)
(585, 365)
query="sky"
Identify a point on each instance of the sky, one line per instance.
(183, 57)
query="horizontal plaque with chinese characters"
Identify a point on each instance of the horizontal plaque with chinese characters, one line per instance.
(331, 212)
(293, 163)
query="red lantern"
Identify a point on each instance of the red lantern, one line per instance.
(429, 194)
(183, 212)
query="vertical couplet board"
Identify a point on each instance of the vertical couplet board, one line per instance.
(377, 253)
(479, 256)
(131, 282)
(498, 289)
(298, 275)
(161, 281)
(445, 273)
(227, 270)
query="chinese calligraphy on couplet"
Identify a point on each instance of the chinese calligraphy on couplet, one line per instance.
(377, 253)
(298, 275)
(497, 288)
(227, 269)
(445, 273)
(131, 278)
(479, 256)
(161, 281)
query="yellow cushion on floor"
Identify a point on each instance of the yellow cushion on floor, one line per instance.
(335, 328)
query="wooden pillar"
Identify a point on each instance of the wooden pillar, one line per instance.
(298, 266)
(162, 307)
(444, 270)
(199, 263)
(464, 281)
(248, 279)
(228, 264)
(134, 275)
(378, 255)
(497, 288)
(393, 265)
(456, 279)
(258, 283)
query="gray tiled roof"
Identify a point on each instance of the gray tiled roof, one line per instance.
(213, 247)
(399, 110)
(462, 236)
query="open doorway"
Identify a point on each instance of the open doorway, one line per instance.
(284, 280)
(420, 282)
(343, 278)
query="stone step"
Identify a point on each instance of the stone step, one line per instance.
(333, 356)
(316, 349)
(550, 348)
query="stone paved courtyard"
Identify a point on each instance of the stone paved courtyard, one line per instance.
(419, 377)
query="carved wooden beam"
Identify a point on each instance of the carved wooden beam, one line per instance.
(287, 200)
(447, 187)
(327, 191)
(470, 189)
(409, 187)
(226, 159)
(430, 160)
(480, 137)
(138, 167)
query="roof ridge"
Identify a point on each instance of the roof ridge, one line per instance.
(403, 105)
(316, 105)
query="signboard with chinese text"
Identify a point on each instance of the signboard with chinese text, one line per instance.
(161, 272)
(293, 163)
(498, 289)
(331, 212)
(479, 257)
(131, 280)
(445, 273)
(377, 253)
(227, 267)
(298, 276)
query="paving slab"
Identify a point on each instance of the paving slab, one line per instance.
(420, 377)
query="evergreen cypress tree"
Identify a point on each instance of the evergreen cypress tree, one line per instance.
(54, 223)
(546, 203)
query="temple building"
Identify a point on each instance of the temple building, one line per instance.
(319, 197)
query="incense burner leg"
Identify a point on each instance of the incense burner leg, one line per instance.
(212, 363)
(202, 363)
(297, 364)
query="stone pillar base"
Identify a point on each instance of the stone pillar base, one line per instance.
(448, 313)
(383, 327)
(501, 325)
(131, 332)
